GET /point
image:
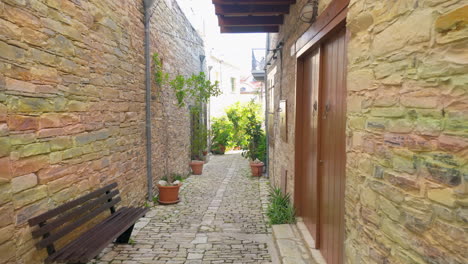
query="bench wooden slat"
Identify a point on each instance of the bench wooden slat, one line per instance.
(98, 242)
(90, 243)
(129, 222)
(67, 250)
(67, 206)
(48, 227)
(67, 229)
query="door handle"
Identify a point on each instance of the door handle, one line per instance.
(327, 109)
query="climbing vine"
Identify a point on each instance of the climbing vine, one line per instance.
(196, 86)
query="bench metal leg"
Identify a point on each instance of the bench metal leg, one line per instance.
(125, 236)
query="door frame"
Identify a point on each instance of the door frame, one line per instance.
(330, 21)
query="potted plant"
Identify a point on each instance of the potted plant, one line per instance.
(222, 130)
(169, 189)
(255, 148)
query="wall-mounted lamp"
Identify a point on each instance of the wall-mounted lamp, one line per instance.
(309, 12)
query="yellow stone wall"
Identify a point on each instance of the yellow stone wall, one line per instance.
(407, 155)
(72, 106)
(407, 128)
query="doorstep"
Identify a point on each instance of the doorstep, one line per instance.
(295, 244)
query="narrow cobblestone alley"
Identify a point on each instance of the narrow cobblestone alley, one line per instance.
(220, 219)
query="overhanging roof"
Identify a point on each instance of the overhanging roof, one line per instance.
(251, 16)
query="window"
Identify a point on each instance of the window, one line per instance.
(233, 85)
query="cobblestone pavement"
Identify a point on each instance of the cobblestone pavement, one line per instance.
(220, 219)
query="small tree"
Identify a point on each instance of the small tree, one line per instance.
(254, 150)
(199, 134)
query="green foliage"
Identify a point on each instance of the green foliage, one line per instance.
(280, 210)
(221, 129)
(254, 133)
(241, 127)
(159, 76)
(196, 87)
(199, 135)
(236, 114)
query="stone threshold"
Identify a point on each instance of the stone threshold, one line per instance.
(295, 245)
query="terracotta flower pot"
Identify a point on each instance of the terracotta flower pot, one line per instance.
(205, 152)
(257, 169)
(168, 194)
(197, 167)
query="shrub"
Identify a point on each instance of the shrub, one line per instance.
(255, 136)
(221, 130)
(280, 210)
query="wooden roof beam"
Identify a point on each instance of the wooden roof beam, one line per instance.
(250, 29)
(244, 10)
(250, 21)
(254, 2)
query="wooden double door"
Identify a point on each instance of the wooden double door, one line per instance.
(320, 146)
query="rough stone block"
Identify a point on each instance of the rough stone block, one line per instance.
(452, 144)
(25, 213)
(5, 170)
(32, 105)
(388, 112)
(361, 80)
(34, 149)
(393, 38)
(60, 143)
(21, 122)
(20, 86)
(7, 251)
(387, 191)
(5, 193)
(77, 106)
(29, 196)
(6, 214)
(51, 132)
(11, 52)
(429, 127)
(24, 182)
(452, 19)
(440, 173)
(416, 221)
(442, 196)
(6, 233)
(4, 130)
(3, 112)
(29, 165)
(5, 146)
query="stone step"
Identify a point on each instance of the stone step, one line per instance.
(291, 247)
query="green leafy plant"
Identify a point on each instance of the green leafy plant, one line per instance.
(280, 210)
(195, 87)
(199, 135)
(236, 114)
(254, 133)
(160, 77)
(221, 130)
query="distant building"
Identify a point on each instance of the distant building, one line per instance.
(235, 87)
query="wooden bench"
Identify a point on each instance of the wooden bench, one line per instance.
(61, 221)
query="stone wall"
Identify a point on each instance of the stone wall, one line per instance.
(72, 115)
(180, 48)
(407, 174)
(407, 170)
(282, 152)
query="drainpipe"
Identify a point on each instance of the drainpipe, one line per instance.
(149, 168)
(265, 80)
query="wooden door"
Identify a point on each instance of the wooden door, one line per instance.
(320, 144)
(332, 151)
(309, 141)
